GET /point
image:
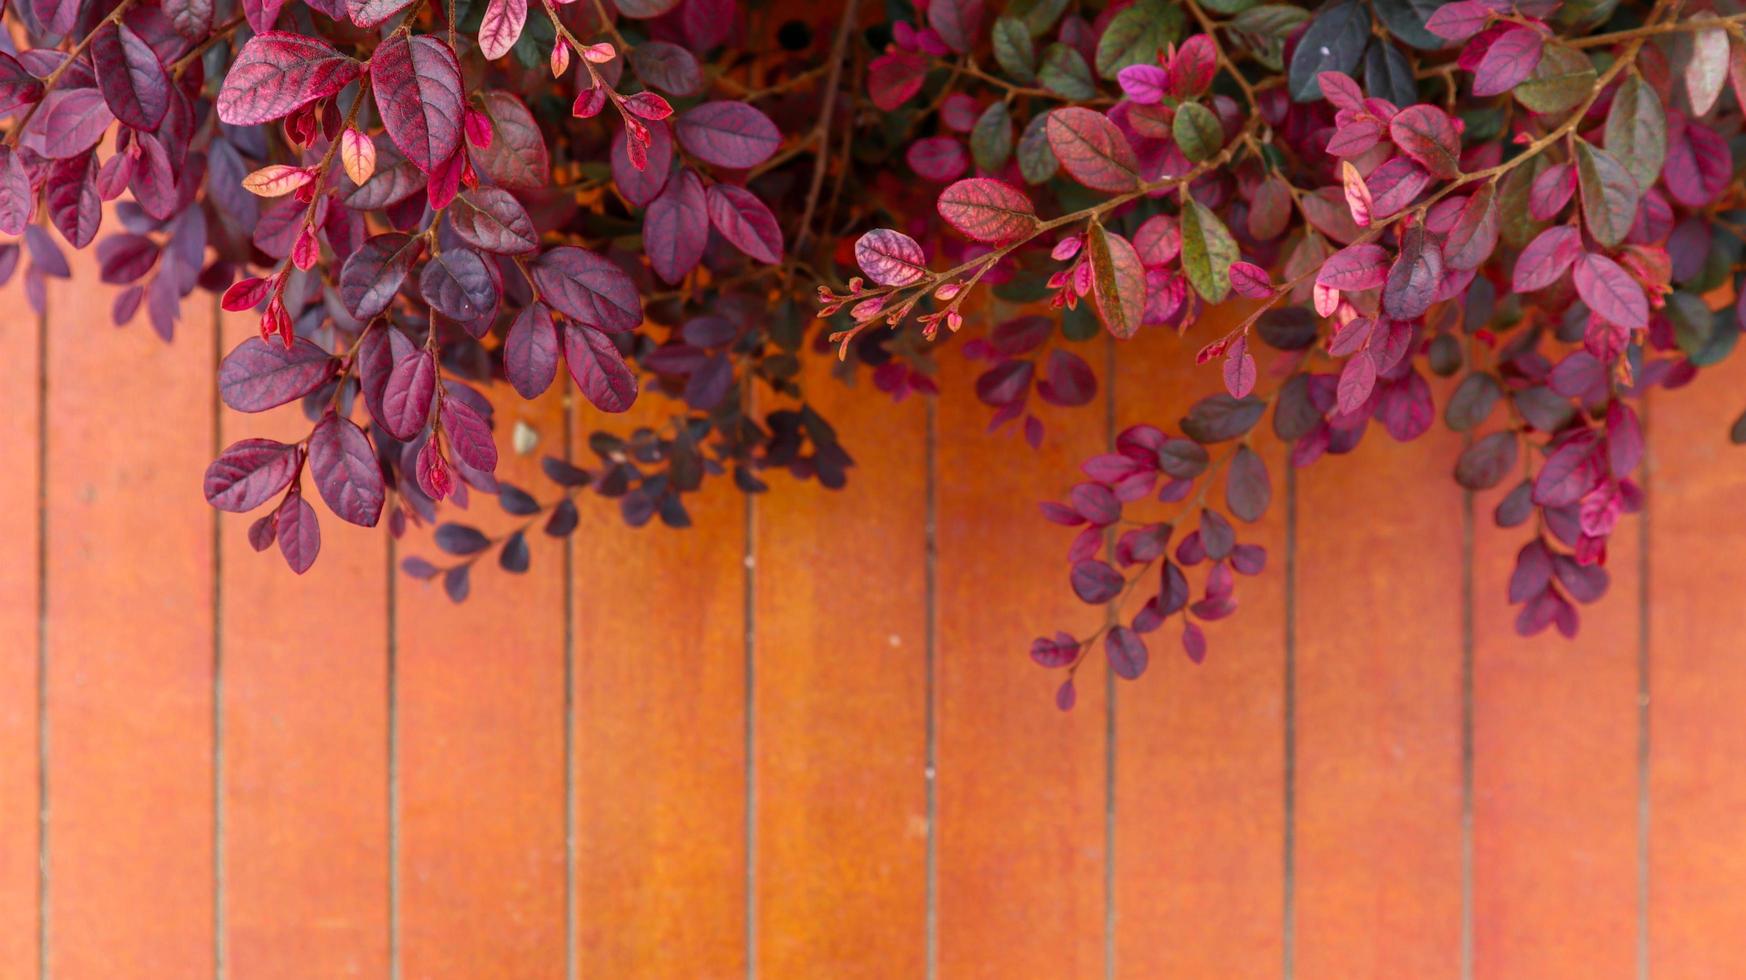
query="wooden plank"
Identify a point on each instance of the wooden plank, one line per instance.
(1554, 772)
(1697, 572)
(660, 720)
(19, 619)
(842, 654)
(1022, 786)
(1379, 706)
(304, 678)
(480, 690)
(1200, 760)
(130, 639)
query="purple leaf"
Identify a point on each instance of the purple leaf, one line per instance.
(492, 220)
(407, 395)
(1092, 150)
(16, 197)
(745, 221)
(460, 285)
(588, 289)
(469, 436)
(249, 473)
(73, 204)
(256, 375)
(1095, 582)
(345, 470)
(372, 276)
(640, 185)
(1126, 652)
(418, 93)
(599, 369)
(890, 258)
(1509, 61)
(1247, 489)
(299, 532)
(1546, 258)
(728, 134)
(1610, 292)
(1414, 277)
(676, 227)
(530, 351)
(130, 76)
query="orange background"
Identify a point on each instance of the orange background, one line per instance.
(806, 736)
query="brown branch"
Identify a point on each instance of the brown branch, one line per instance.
(822, 131)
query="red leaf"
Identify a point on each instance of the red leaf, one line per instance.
(131, 77)
(1509, 61)
(729, 134)
(987, 210)
(18, 87)
(890, 258)
(1239, 369)
(1357, 379)
(277, 73)
(1427, 134)
(16, 197)
(1250, 280)
(345, 470)
(1610, 292)
(1459, 21)
(369, 13)
(599, 369)
(676, 227)
(1474, 236)
(517, 158)
(73, 203)
(1092, 150)
(248, 473)
(745, 221)
(1550, 191)
(937, 158)
(894, 78)
(640, 185)
(418, 90)
(256, 375)
(501, 27)
(1572, 470)
(588, 289)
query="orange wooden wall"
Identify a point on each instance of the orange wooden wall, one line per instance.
(805, 740)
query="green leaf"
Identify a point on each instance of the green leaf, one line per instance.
(991, 139)
(1207, 250)
(1609, 193)
(1197, 131)
(1065, 73)
(1137, 35)
(1118, 282)
(1038, 15)
(1334, 41)
(1013, 49)
(1562, 79)
(1405, 19)
(1636, 130)
(1036, 158)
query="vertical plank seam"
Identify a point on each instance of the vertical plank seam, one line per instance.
(1288, 911)
(392, 693)
(1467, 758)
(220, 948)
(1109, 686)
(749, 613)
(572, 955)
(1644, 664)
(930, 616)
(42, 644)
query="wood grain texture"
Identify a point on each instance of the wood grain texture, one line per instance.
(660, 701)
(130, 639)
(1021, 785)
(1554, 771)
(1697, 572)
(305, 727)
(1378, 819)
(480, 691)
(19, 619)
(1200, 811)
(841, 712)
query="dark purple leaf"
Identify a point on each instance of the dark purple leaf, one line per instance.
(73, 204)
(1485, 463)
(372, 276)
(667, 67)
(1414, 277)
(461, 539)
(16, 197)
(745, 222)
(1096, 582)
(530, 351)
(640, 185)
(130, 76)
(460, 285)
(1247, 489)
(491, 219)
(1126, 652)
(406, 397)
(676, 227)
(1610, 292)
(299, 532)
(469, 436)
